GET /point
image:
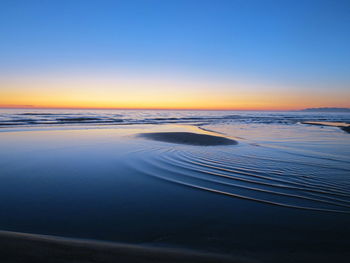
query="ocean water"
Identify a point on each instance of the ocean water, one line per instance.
(41, 118)
(283, 192)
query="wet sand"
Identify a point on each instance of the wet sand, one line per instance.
(342, 125)
(20, 247)
(347, 129)
(189, 138)
(169, 201)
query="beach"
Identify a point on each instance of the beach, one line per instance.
(183, 190)
(342, 125)
(20, 247)
(177, 131)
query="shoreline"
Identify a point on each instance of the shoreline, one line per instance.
(109, 184)
(341, 125)
(38, 248)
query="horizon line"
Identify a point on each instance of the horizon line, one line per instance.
(148, 108)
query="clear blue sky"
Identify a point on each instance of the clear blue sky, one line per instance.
(291, 41)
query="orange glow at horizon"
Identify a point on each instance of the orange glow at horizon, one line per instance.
(105, 93)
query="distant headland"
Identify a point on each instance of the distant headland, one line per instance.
(327, 109)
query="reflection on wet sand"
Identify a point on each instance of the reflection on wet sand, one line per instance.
(287, 198)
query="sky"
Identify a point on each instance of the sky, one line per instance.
(178, 54)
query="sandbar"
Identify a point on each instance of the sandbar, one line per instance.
(189, 138)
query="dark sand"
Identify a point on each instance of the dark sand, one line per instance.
(347, 129)
(27, 248)
(189, 138)
(342, 125)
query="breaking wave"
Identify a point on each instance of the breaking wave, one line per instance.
(15, 118)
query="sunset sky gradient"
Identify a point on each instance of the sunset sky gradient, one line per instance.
(237, 54)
